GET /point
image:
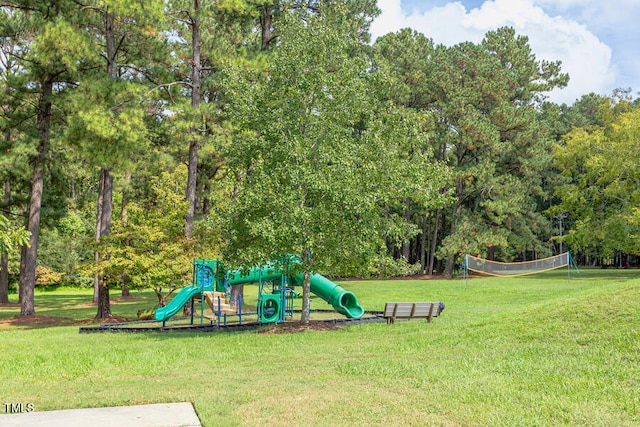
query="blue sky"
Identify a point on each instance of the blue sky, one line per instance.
(598, 41)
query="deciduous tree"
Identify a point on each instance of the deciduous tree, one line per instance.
(315, 166)
(601, 195)
(150, 247)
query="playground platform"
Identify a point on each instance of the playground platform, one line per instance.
(154, 326)
(155, 415)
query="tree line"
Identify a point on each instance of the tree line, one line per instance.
(139, 135)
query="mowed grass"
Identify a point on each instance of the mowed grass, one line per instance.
(539, 350)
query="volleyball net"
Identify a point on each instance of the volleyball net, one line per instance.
(514, 269)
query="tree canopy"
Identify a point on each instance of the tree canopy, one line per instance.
(281, 128)
(601, 193)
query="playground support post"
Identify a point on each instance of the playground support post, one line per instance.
(466, 271)
(220, 311)
(572, 263)
(192, 303)
(283, 297)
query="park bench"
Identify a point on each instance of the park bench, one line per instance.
(412, 310)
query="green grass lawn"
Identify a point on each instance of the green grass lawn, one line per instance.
(539, 350)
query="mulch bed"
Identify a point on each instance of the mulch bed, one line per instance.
(289, 327)
(10, 305)
(113, 319)
(37, 320)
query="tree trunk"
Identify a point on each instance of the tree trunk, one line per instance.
(492, 253)
(30, 253)
(23, 254)
(192, 171)
(191, 187)
(454, 224)
(123, 217)
(162, 299)
(72, 192)
(448, 270)
(103, 223)
(236, 291)
(206, 202)
(306, 298)
(104, 306)
(423, 243)
(4, 279)
(96, 254)
(266, 22)
(194, 145)
(125, 198)
(434, 242)
(442, 154)
(451, 258)
(406, 244)
(4, 258)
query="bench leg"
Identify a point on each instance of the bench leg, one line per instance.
(430, 317)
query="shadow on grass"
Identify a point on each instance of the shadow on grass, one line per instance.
(586, 273)
(36, 321)
(40, 322)
(57, 306)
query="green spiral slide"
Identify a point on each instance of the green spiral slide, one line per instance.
(343, 301)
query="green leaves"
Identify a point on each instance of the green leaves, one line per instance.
(61, 43)
(107, 120)
(310, 179)
(486, 95)
(11, 238)
(149, 247)
(602, 194)
(476, 103)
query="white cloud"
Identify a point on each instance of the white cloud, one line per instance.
(583, 55)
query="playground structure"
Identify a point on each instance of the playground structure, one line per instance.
(276, 292)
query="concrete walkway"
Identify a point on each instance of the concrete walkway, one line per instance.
(156, 415)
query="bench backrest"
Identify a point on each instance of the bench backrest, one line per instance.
(411, 309)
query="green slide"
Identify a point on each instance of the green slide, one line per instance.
(343, 301)
(181, 298)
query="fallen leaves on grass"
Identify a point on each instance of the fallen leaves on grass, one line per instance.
(112, 319)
